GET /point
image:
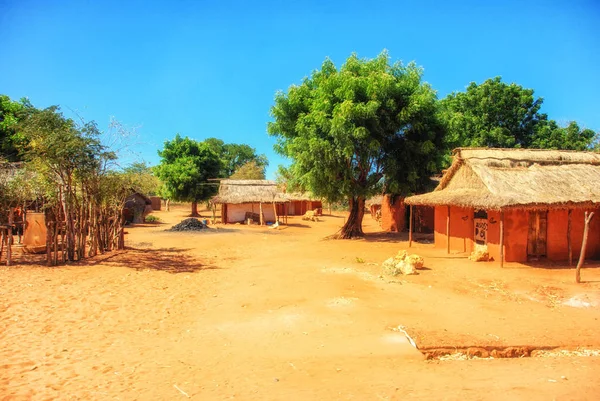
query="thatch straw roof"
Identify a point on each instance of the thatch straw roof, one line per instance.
(374, 200)
(300, 196)
(249, 191)
(530, 178)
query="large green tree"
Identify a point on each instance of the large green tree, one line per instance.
(233, 155)
(352, 130)
(501, 115)
(492, 114)
(185, 168)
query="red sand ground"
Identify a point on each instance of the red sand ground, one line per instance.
(260, 314)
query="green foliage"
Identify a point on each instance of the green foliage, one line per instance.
(185, 167)
(550, 136)
(349, 130)
(233, 156)
(249, 171)
(496, 114)
(152, 219)
(145, 180)
(11, 114)
(493, 114)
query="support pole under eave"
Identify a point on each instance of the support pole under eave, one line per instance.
(569, 244)
(410, 226)
(261, 217)
(448, 231)
(501, 238)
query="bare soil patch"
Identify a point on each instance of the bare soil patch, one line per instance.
(262, 314)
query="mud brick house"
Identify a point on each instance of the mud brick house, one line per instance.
(243, 199)
(392, 214)
(524, 204)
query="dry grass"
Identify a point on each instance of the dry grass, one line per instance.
(499, 178)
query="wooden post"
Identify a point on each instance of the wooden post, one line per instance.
(588, 218)
(1, 241)
(275, 211)
(214, 220)
(260, 211)
(410, 226)
(501, 238)
(448, 231)
(569, 245)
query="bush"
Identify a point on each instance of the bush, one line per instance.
(152, 219)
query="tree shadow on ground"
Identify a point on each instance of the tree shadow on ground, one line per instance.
(560, 265)
(299, 225)
(170, 260)
(385, 236)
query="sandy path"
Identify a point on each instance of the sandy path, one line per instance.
(254, 313)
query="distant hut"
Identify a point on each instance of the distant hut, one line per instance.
(300, 203)
(137, 207)
(374, 206)
(260, 201)
(524, 204)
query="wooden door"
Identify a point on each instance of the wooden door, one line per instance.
(536, 238)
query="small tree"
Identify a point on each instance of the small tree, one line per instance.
(185, 168)
(233, 156)
(351, 130)
(249, 171)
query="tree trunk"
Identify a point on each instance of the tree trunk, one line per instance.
(588, 217)
(353, 226)
(168, 204)
(195, 209)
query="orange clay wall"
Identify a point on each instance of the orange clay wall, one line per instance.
(558, 248)
(516, 226)
(392, 214)
(461, 228)
(516, 223)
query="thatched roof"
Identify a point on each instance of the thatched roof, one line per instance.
(374, 200)
(300, 196)
(502, 178)
(249, 191)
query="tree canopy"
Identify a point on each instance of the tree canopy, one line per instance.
(149, 184)
(249, 171)
(501, 115)
(12, 113)
(233, 156)
(350, 132)
(185, 168)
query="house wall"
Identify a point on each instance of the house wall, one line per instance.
(393, 214)
(237, 212)
(461, 228)
(558, 248)
(156, 202)
(516, 227)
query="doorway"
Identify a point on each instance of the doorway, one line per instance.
(537, 234)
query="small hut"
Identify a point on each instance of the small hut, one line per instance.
(524, 204)
(374, 206)
(137, 207)
(300, 203)
(250, 200)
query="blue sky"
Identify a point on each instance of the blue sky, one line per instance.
(211, 68)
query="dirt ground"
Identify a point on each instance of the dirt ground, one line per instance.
(254, 313)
